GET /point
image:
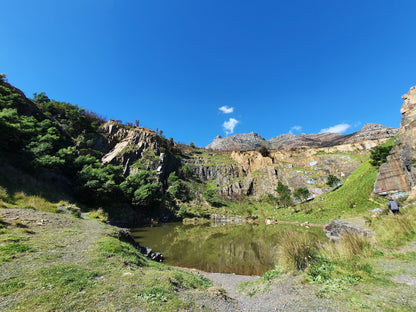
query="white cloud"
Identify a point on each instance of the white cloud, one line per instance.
(226, 110)
(295, 129)
(341, 128)
(230, 125)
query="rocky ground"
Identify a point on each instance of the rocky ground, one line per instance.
(287, 293)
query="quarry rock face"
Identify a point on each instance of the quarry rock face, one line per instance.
(127, 144)
(252, 141)
(398, 174)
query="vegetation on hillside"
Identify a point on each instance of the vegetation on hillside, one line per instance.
(54, 142)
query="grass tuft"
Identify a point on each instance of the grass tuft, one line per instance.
(297, 250)
(354, 245)
(98, 214)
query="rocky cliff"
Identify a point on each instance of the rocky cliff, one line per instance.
(246, 172)
(249, 173)
(126, 145)
(252, 141)
(398, 174)
(245, 141)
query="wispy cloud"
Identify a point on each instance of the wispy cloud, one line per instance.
(230, 125)
(295, 129)
(341, 128)
(226, 110)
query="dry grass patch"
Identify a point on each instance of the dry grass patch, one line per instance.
(297, 250)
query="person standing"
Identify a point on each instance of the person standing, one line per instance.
(393, 206)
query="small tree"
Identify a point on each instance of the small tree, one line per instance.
(171, 143)
(301, 193)
(379, 155)
(264, 151)
(285, 199)
(192, 144)
(332, 180)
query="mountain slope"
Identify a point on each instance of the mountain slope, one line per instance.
(252, 141)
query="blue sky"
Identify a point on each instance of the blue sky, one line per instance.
(272, 66)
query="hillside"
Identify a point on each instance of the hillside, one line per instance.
(136, 174)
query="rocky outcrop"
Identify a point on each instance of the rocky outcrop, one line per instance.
(335, 229)
(238, 142)
(371, 132)
(249, 173)
(128, 144)
(398, 174)
(252, 141)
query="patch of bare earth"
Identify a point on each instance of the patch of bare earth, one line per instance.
(286, 293)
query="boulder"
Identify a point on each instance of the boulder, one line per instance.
(335, 229)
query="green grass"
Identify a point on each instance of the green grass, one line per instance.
(351, 199)
(11, 250)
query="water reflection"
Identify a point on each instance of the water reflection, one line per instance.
(249, 249)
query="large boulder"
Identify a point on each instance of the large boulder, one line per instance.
(335, 229)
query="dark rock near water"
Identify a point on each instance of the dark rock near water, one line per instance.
(125, 236)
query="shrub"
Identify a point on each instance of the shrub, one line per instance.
(301, 193)
(379, 155)
(173, 177)
(332, 180)
(180, 191)
(264, 151)
(320, 269)
(3, 193)
(285, 199)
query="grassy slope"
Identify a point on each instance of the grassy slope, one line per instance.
(352, 199)
(67, 264)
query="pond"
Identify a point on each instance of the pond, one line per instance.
(249, 249)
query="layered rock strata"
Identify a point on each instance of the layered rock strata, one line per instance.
(398, 174)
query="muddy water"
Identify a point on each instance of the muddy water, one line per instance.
(249, 249)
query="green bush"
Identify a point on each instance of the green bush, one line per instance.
(379, 155)
(301, 193)
(180, 191)
(285, 199)
(332, 180)
(264, 151)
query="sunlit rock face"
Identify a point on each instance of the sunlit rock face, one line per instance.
(398, 174)
(252, 141)
(128, 144)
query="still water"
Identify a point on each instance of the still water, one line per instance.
(249, 249)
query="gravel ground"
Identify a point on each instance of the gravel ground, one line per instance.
(286, 293)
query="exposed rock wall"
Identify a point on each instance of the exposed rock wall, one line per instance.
(127, 144)
(249, 173)
(398, 174)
